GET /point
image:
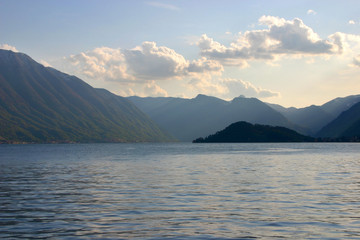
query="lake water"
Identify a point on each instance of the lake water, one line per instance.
(180, 191)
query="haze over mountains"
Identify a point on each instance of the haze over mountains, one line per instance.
(188, 119)
(41, 104)
(346, 125)
(313, 118)
(345, 128)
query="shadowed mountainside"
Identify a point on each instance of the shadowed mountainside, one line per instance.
(246, 132)
(347, 124)
(187, 119)
(41, 104)
(314, 118)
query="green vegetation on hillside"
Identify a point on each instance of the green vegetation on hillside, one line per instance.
(42, 105)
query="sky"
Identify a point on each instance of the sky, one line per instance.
(293, 53)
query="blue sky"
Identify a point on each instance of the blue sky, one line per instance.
(294, 53)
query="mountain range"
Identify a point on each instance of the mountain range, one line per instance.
(40, 104)
(188, 119)
(346, 125)
(313, 118)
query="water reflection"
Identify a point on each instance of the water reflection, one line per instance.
(180, 191)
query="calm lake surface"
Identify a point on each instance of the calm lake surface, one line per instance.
(180, 191)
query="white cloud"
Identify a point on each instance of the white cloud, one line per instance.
(311, 12)
(237, 87)
(152, 89)
(207, 86)
(352, 22)
(282, 37)
(147, 69)
(126, 91)
(347, 43)
(152, 62)
(8, 47)
(141, 89)
(163, 5)
(138, 71)
(45, 64)
(102, 63)
(142, 63)
(229, 88)
(232, 56)
(204, 65)
(294, 37)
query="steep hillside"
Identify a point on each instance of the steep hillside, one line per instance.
(313, 118)
(40, 104)
(347, 124)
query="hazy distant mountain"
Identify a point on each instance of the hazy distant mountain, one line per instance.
(40, 104)
(246, 132)
(347, 124)
(187, 119)
(313, 118)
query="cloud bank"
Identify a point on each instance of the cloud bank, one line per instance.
(148, 66)
(147, 62)
(282, 37)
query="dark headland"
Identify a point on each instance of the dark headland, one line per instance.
(241, 132)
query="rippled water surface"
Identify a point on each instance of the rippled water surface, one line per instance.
(198, 191)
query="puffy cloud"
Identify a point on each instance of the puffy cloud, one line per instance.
(237, 87)
(204, 65)
(142, 63)
(229, 88)
(352, 22)
(126, 91)
(142, 89)
(138, 70)
(45, 63)
(151, 89)
(295, 37)
(282, 37)
(231, 56)
(8, 47)
(207, 86)
(311, 12)
(152, 62)
(204, 68)
(347, 43)
(101, 64)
